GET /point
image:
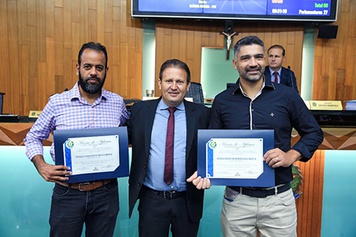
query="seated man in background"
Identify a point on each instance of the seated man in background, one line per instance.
(275, 72)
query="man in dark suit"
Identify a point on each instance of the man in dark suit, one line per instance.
(275, 72)
(175, 205)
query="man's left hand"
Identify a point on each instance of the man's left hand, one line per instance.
(278, 158)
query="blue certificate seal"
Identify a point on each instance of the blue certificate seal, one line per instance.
(211, 145)
(68, 145)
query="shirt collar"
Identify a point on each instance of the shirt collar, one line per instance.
(266, 84)
(163, 106)
(279, 71)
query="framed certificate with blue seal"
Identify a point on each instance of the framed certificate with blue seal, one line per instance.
(93, 154)
(235, 157)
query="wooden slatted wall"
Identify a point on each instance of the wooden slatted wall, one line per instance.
(40, 40)
(335, 59)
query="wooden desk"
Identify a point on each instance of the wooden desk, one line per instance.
(334, 138)
(14, 133)
(338, 138)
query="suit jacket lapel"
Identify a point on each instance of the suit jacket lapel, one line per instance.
(191, 124)
(285, 77)
(148, 118)
(282, 77)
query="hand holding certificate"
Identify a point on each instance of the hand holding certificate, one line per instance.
(235, 157)
(93, 154)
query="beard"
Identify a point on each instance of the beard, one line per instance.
(91, 88)
(251, 79)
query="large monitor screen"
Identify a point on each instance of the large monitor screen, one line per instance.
(291, 10)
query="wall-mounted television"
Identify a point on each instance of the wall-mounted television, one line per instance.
(274, 10)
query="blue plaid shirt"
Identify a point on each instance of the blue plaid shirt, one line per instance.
(69, 110)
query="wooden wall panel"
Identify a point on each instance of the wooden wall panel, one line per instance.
(335, 59)
(40, 40)
(184, 40)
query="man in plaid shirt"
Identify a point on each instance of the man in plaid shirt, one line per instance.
(86, 105)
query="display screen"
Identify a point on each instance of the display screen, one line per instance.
(292, 10)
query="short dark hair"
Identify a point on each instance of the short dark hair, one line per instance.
(248, 40)
(93, 46)
(278, 47)
(176, 63)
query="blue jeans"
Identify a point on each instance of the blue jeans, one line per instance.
(72, 208)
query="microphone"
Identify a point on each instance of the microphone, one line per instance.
(291, 77)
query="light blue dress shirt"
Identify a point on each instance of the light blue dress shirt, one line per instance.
(154, 178)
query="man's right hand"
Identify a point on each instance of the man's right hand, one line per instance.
(199, 182)
(51, 173)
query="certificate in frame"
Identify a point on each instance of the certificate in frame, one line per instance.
(121, 169)
(266, 179)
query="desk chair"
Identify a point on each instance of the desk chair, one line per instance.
(196, 92)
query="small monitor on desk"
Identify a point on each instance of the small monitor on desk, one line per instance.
(335, 118)
(9, 118)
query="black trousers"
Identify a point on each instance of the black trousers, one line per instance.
(158, 215)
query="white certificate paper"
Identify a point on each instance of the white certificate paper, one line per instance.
(88, 155)
(234, 158)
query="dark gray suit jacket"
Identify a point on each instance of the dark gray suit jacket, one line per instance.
(140, 128)
(287, 77)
